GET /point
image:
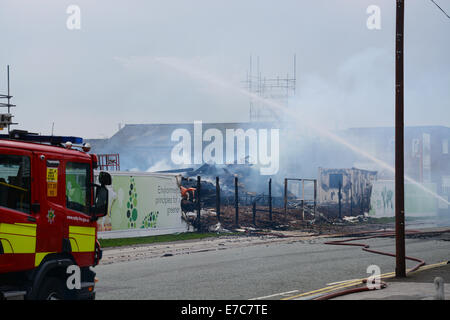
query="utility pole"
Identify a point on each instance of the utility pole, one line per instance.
(400, 268)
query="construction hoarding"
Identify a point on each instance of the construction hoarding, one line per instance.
(142, 204)
(418, 203)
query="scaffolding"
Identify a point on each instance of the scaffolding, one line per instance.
(109, 162)
(278, 89)
(6, 118)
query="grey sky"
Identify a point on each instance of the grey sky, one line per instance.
(89, 80)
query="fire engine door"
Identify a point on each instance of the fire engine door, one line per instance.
(52, 213)
(17, 224)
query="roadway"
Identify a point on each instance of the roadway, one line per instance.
(264, 270)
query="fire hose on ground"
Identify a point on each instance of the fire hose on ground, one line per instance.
(365, 247)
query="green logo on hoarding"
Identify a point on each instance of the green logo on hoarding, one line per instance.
(150, 220)
(132, 212)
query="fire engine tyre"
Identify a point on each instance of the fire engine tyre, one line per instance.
(52, 289)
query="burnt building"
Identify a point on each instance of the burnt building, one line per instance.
(346, 189)
(427, 159)
(300, 152)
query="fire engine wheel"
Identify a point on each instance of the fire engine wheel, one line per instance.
(52, 289)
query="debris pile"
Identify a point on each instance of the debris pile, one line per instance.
(292, 220)
(250, 184)
(253, 207)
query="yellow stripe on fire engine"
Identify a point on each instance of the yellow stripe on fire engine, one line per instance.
(82, 239)
(18, 237)
(39, 257)
(7, 247)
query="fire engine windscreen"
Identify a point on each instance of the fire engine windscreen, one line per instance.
(77, 186)
(15, 182)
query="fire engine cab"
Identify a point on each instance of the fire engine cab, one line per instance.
(49, 205)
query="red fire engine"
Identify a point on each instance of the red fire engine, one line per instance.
(49, 205)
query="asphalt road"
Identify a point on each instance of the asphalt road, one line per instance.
(272, 271)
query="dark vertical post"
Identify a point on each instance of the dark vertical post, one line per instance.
(351, 199)
(254, 212)
(400, 268)
(270, 199)
(218, 199)
(362, 199)
(303, 199)
(339, 199)
(315, 197)
(236, 200)
(285, 195)
(198, 202)
(303, 209)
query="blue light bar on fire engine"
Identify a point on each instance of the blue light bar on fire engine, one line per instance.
(26, 136)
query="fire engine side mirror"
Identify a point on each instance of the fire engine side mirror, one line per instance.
(101, 202)
(104, 178)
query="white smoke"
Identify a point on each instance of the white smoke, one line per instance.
(161, 165)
